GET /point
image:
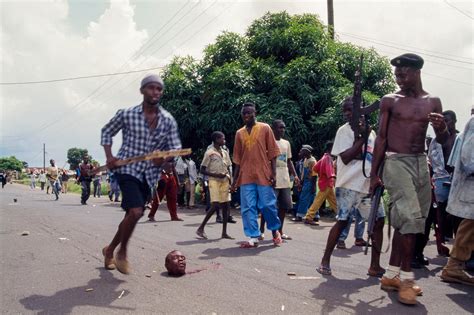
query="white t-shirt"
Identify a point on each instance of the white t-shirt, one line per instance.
(282, 175)
(350, 176)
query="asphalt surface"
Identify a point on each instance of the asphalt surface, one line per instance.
(58, 267)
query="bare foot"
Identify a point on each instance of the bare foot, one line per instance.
(376, 271)
(201, 234)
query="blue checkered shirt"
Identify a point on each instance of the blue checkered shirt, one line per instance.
(138, 139)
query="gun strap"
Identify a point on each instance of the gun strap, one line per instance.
(366, 143)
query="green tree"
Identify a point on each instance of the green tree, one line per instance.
(287, 65)
(75, 155)
(11, 164)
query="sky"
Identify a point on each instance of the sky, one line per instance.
(49, 40)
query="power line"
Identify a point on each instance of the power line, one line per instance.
(404, 45)
(166, 42)
(430, 60)
(46, 125)
(391, 46)
(459, 10)
(441, 77)
(128, 72)
(80, 77)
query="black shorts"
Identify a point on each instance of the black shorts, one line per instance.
(283, 196)
(135, 193)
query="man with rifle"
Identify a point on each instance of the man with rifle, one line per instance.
(400, 143)
(352, 187)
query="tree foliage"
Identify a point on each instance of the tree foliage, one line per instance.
(11, 164)
(287, 65)
(75, 155)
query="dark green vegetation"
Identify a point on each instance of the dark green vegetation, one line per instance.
(11, 164)
(74, 157)
(287, 65)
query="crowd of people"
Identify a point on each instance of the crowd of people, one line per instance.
(429, 182)
(261, 169)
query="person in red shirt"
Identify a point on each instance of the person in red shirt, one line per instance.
(167, 186)
(326, 177)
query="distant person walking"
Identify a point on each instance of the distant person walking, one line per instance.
(85, 178)
(64, 181)
(42, 179)
(52, 174)
(32, 180)
(97, 184)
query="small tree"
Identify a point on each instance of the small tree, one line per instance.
(11, 163)
(75, 155)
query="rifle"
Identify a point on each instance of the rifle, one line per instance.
(358, 108)
(374, 207)
(144, 157)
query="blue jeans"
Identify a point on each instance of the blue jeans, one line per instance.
(255, 198)
(359, 226)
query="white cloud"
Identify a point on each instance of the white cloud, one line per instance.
(38, 42)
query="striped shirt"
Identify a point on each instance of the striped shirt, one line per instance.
(138, 139)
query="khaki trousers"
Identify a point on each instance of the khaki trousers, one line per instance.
(321, 196)
(464, 241)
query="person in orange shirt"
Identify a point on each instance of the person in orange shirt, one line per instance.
(255, 153)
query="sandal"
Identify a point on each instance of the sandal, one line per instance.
(326, 271)
(261, 237)
(360, 242)
(247, 244)
(277, 239)
(310, 222)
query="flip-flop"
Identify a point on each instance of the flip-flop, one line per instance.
(326, 271)
(277, 240)
(247, 244)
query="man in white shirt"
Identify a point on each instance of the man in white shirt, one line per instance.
(352, 190)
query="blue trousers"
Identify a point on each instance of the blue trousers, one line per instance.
(359, 226)
(255, 198)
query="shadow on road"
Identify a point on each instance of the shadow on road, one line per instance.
(338, 293)
(62, 302)
(464, 300)
(212, 253)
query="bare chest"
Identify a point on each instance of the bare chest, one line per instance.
(412, 110)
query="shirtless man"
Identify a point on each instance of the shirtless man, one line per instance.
(404, 118)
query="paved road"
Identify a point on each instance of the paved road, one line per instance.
(50, 270)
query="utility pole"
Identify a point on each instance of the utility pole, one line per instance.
(331, 18)
(44, 157)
